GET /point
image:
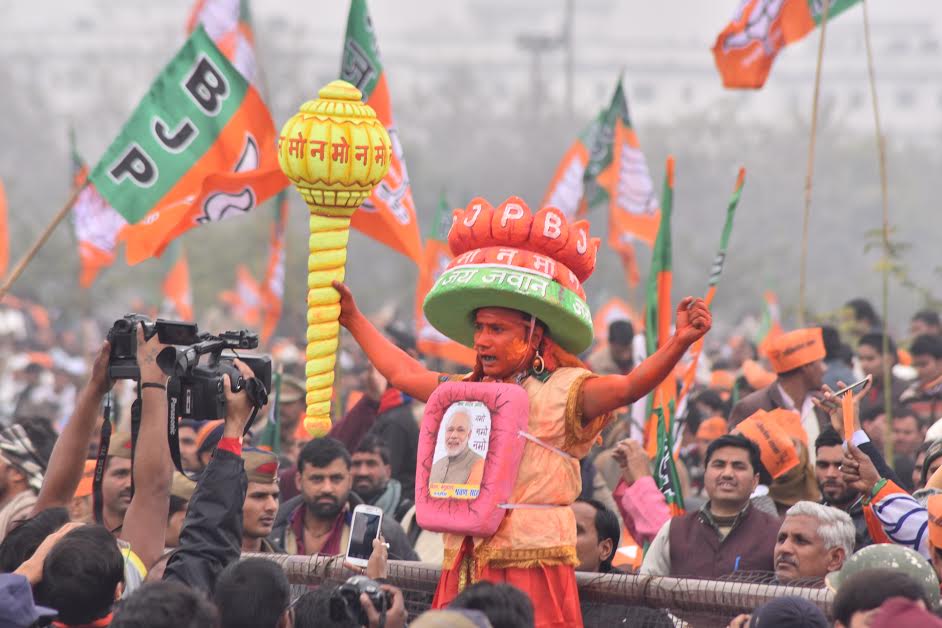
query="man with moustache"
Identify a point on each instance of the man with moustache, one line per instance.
(834, 491)
(317, 521)
(261, 500)
(116, 481)
(814, 540)
(461, 465)
(373, 481)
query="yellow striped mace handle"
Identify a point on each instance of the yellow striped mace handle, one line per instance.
(335, 151)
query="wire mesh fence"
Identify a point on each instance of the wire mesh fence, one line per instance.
(606, 599)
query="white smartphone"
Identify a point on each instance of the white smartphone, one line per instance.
(364, 527)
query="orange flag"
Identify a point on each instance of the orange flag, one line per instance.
(177, 288)
(273, 288)
(389, 214)
(246, 299)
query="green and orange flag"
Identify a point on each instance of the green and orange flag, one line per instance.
(229, 24)
(199, 148)
(662, 401)
(177, 289)
(388, 216)
(567, 187)
(718, 262)
(745, 49)
(437, 256)
(770, 325)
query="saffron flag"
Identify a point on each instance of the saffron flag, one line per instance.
(198, 149)
(770, 326)
(229, 24)
(246, 299)
(598, 179)
(273, 287)
(178, 292)
(718, 262)
(745, 49)
(97, 224)
(4, 233)
(437, 256)
(657, 326)
(388, 216)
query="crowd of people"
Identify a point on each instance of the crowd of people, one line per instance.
(818, 499)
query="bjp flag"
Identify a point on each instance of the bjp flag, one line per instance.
(745, 49)
(200, 148)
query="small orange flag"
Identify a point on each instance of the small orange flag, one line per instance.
(847, 403)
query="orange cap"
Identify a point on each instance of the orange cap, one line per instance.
(756, 376)
(796, 349)
(934, 506)
(203, 434)
(712, 428)
(88, 477)
(790, 421)
(776, 448)
(721, 379)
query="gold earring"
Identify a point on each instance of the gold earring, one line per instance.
(539, 365)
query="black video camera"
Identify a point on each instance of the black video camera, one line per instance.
(122, 362)
(345, 600)
(197, 391)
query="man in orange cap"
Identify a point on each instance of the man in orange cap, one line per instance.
(798, 359)
(80, 508)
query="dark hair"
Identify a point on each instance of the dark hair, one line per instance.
(871, 413)
(832, 342)
(620, 332)
(373, 444)
(863, 310)
(21, 542)
(81, 573)
(868, 589)
(165, 605)
(927, 344)
(933, 449)
(712, 398)
(929, 317)
(505, 605)
(252, 593)
(42, 436)
(828, 438)
(875, 341)
(905, 411)
(741, 442)
(606, 527)
(320, 452)
(312, 610)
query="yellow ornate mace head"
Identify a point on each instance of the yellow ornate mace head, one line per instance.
(334, 150)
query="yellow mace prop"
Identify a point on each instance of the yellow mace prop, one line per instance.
(335, 151)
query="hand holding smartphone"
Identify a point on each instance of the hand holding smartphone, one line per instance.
(364, 527)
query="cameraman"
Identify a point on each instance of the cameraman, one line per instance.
(211, 537)
(144, 526)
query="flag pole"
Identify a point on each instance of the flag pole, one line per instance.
(40, 241)
(885, 266)
(802, 278)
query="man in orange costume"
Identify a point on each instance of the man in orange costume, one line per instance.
(531, 344)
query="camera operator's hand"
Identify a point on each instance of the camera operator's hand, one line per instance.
(348, 307)
(238, 405)
(99, 383)
(396, 613)
(147, 351)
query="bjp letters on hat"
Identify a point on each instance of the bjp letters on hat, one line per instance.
(796, 349)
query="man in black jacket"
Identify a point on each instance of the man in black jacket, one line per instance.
(318, 520)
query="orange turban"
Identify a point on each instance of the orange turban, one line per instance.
(796, 349)
(712, 428)
(88, 477)
(934, 506)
